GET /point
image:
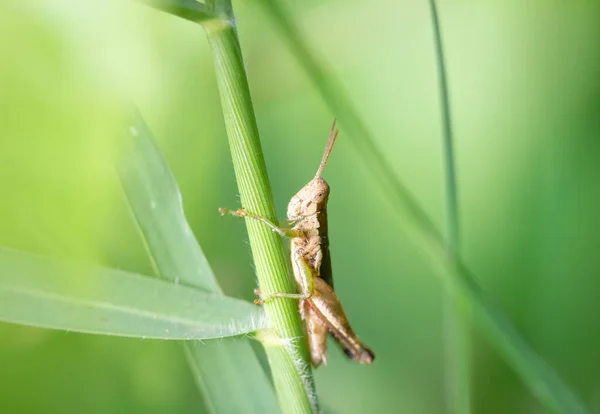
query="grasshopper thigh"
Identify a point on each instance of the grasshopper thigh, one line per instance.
(326, 305)
(316, 332)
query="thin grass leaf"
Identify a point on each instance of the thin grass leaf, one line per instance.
(191, 10)
(155, 203)
(456, 322)
(47, 293)
(536, 374)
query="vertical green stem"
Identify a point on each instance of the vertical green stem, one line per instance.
(285, 346)
(456, 324)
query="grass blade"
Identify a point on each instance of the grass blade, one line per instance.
(456, 322)
(47, 293)
(191, 10)
(535, 373)
(155, 203)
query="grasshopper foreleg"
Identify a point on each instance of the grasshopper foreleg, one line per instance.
(302, 272)
(240, 212)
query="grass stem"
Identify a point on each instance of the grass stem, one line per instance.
(285, 348)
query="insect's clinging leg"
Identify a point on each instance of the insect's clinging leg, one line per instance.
(304, 278)
(240, 212)
(299, 296)
(261, 300)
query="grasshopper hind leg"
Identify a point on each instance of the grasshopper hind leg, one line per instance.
(327, 307)
(316, 332)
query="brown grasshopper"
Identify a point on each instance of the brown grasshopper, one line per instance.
(319, 306)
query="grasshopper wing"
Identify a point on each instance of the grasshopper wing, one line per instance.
(327, 308)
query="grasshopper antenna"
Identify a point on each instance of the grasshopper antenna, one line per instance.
(332, 135)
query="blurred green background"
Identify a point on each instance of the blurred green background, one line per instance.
(525, 93)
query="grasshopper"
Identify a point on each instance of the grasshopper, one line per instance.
(319, 306)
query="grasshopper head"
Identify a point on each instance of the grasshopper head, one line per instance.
(311, 199)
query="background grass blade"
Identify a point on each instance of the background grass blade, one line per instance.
(456, 321)
(191, 10)
(155, 203)
(47, 293)
(536, 374)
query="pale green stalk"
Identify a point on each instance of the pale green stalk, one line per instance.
(285, 345)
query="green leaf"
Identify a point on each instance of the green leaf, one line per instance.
(191, 10)
(48, 293)
(155, 203)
